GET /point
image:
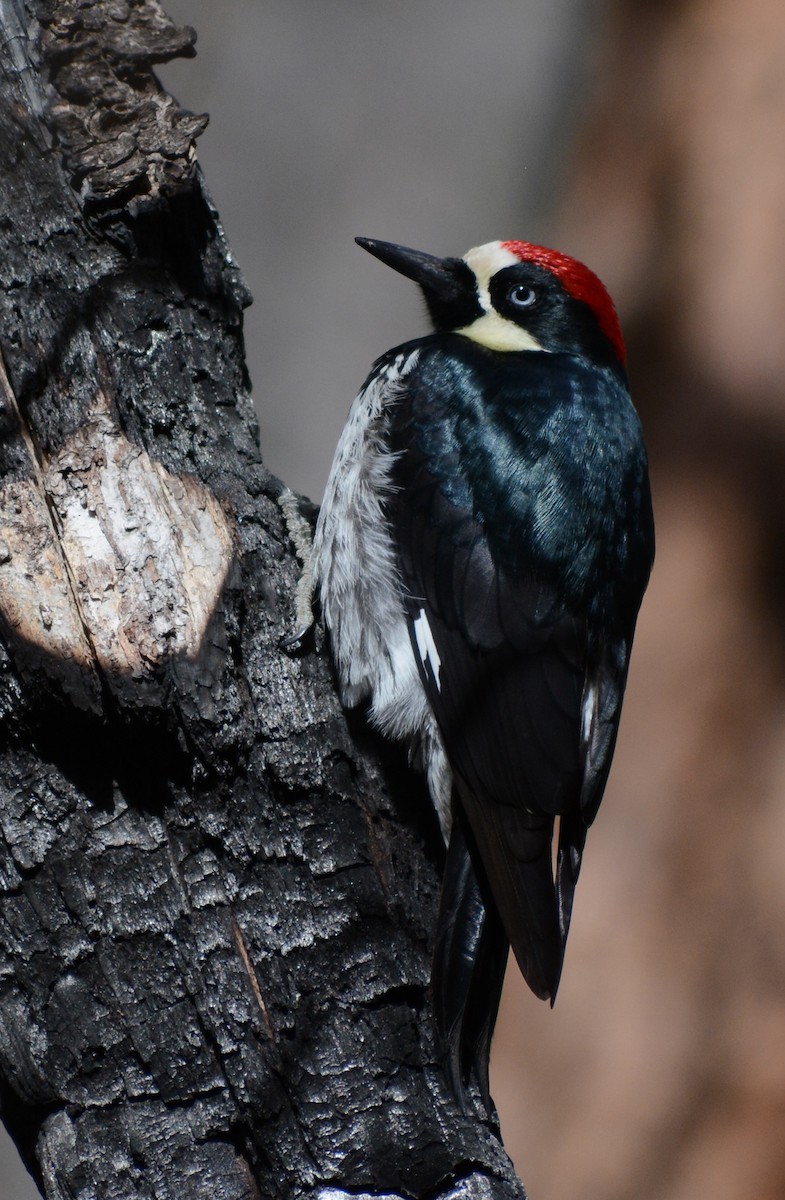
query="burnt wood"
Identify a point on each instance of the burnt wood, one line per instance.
(217, 899)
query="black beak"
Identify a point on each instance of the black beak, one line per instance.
(447, 283)
(434, 275)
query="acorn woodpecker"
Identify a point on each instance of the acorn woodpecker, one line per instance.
(481, 553)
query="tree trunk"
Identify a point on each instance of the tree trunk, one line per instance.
(217, 899)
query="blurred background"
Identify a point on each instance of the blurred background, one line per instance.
(646, 138)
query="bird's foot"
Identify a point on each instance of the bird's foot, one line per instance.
(299, 642)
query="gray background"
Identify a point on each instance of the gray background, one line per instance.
(436, 123)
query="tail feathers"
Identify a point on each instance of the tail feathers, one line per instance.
(511, 898)
(483, 1006)
(515, 849)
(572, 838)
(458, 934)
(468, 970)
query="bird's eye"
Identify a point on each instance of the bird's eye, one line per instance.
(522, 296)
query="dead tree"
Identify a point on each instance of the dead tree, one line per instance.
(217, 899)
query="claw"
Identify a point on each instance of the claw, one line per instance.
(299, 642)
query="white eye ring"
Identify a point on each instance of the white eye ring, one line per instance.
(522, 296)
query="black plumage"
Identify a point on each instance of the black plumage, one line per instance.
(517, 506)
(520, 514)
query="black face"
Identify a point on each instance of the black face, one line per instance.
(530, 296)
(457, 305)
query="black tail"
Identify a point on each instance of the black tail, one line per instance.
(572, 838)
(515, 850)
(470, 955)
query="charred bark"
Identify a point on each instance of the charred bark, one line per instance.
(217, 900)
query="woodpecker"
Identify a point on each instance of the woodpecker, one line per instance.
(481, 554)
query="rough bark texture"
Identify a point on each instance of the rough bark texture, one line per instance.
(217, 903)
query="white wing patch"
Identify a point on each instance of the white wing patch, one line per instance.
(426, 647)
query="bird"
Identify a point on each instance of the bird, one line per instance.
(480, 557)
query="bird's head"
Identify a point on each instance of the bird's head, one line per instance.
(510, 296)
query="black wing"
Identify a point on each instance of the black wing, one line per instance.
(506, 672)
(526, 696)
(522, 521)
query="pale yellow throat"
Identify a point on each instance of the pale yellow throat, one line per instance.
(497, 333)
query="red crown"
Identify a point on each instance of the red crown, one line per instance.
(581, 283)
